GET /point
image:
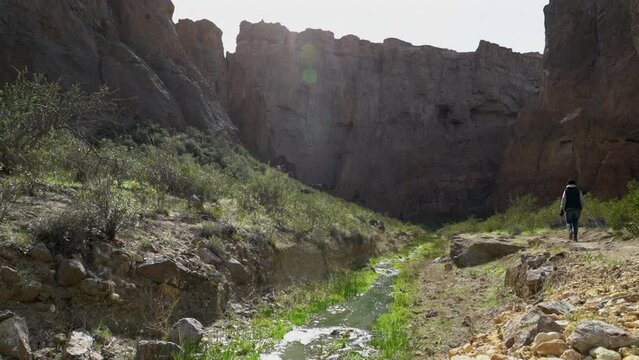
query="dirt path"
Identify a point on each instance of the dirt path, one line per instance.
(457, 307)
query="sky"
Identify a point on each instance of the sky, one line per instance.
(452, 24)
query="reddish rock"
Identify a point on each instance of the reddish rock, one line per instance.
(585, 125)
(414, 131)
(131, 46)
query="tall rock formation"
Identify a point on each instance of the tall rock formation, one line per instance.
(130, 45)
(414, 131)
(587, 123)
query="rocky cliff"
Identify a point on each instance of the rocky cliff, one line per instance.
(586, 125)
(131, 46)
(414, 131)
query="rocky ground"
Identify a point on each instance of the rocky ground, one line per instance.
(552, 299)
(174, 271)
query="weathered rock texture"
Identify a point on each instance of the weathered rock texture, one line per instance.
(132, 46)
(586, 123)
(414, 131)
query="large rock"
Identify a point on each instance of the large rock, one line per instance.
(131, 46)
(523, 329)
(466, 252)
(70, 272)
(9, 275)
(528, 278)
(187, 331)
(41, 252)
(415, 131)
(591, 334)
(78, 347)
(156, 350)
(239, 274)
(14, 337)
(585, 125)
(162, 270)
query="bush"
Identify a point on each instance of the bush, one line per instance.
(623, 213)
(32, 111)
(106, 208)
(268, 191)
(66, 233)
(178, 175)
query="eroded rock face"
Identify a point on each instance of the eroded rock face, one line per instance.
(131, 46)
(585, 126)
(414, 131)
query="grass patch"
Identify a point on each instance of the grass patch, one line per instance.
(393, 330)
(294, 308)
(526, 216)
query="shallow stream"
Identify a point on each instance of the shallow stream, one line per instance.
(341, 330)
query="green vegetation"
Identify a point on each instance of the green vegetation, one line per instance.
(393, 330)
(290, 309)
(49, 144)
(526, 216)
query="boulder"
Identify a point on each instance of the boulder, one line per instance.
(14, 337)
(591, 334)
(41, 253)
(78, 347)
(187, 331)
(571, 355)
(208, 257)
(555, 307)
(30, 291)
(522, 330)
(96, 287)
(601, 353)
(528, 277)
(9, 275)
(162, 270)
(239, 274)
(156, 350)
(70, 272)
(554, 347)
(466, 252)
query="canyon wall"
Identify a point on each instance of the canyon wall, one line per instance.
(130, 45)
(587, 123)
(414, 131)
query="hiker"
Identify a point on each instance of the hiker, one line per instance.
(572, 201)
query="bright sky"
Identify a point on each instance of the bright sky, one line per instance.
(452, 24)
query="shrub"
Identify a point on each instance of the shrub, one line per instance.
(178, 175)
(65, 233)
(209, 230)
(31, 110)
(623, 213)
(106, 208)
(268, 191)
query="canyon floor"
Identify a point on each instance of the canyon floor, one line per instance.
(469, 313)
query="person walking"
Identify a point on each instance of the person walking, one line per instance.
(572, 202)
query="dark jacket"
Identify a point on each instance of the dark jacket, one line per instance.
(572, 198)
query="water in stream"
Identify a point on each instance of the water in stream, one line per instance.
(340, 330)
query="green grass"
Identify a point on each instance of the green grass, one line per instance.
(393, 329)
(295, 309)
(525, 216)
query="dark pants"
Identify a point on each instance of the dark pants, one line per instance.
(572, 221)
